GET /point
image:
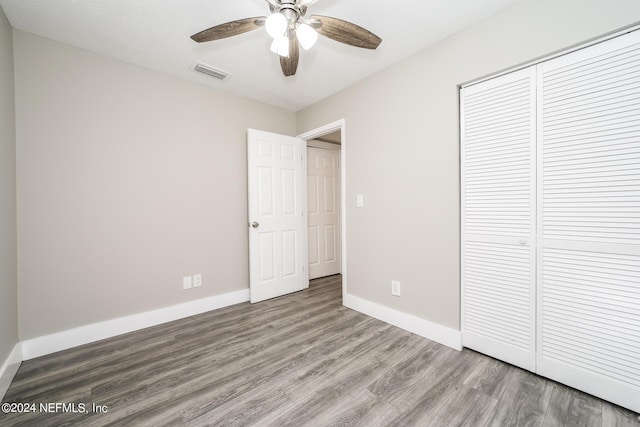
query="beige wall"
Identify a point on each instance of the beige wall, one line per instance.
(403, 148)
(8, 277)
(127, 180)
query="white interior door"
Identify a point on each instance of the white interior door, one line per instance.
(589, 228)
(276, 215)
(323, 207)
(498, 217)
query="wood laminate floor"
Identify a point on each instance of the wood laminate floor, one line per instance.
(298, 360)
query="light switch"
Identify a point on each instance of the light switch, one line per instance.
(395, 288)
(187, 282)
(359, 201)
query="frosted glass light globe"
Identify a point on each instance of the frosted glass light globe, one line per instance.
(276, 25)
(280, 46)
(307, 36)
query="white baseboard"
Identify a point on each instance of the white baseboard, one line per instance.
(9, 369)
(48, 344)
(433, 331)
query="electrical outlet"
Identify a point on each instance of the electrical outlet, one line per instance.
(187, 282)
(395, 288)
(197, 280)
(359, 201)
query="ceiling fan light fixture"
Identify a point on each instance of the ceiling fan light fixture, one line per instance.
(280, 46)
(289, 28)
(307, 36)
(276, 24)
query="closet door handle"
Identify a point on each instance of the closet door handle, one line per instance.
(522, 242)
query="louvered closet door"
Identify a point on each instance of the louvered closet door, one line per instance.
(498, 217)
(589, 213)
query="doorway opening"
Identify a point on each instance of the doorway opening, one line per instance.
(323, 205)
(325, 200)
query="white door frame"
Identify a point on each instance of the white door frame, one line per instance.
(317, 133)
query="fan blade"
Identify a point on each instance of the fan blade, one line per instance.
(290, 65)
(229, 29)
(346, 32)
(307, 2)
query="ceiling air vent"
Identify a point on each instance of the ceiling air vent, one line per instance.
(210, 71)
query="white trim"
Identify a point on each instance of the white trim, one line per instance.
(48, 344)
(463, 211)
(305, 214)
(316, 133)
(562, 52)
(433, 331)
(9, 369)
(324, 130)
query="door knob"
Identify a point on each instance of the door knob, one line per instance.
(255, 224)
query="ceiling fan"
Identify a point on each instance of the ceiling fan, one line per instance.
(288, 26)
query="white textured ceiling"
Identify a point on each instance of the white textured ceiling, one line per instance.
(155, 34)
